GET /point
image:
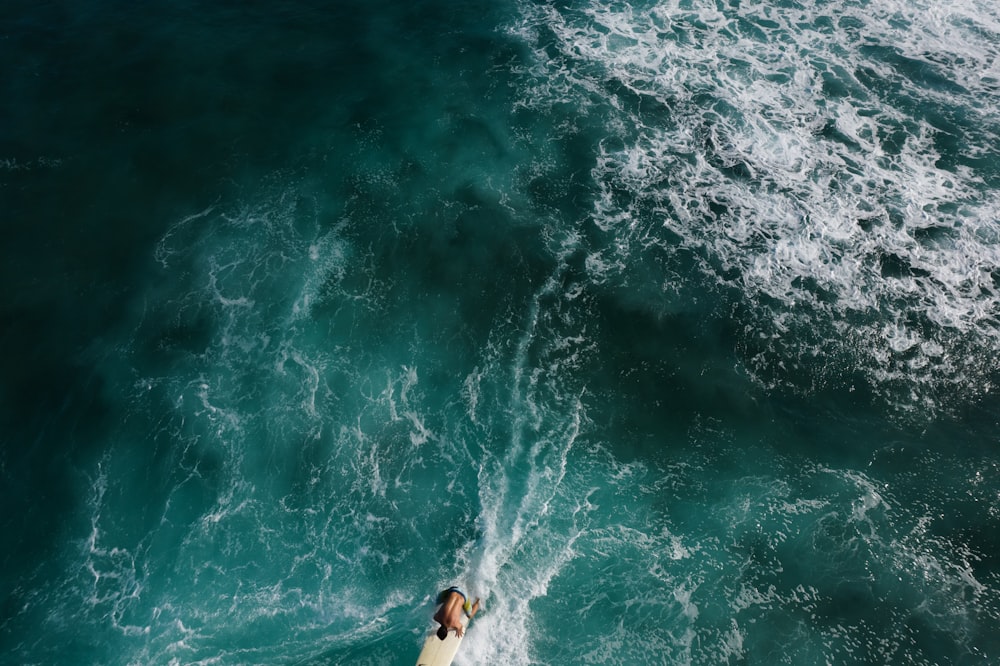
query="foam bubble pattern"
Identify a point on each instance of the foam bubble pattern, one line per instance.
(834, 164)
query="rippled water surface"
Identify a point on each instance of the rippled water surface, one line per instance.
(669, 329)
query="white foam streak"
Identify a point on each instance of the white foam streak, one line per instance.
(164, 248)
(530, 514)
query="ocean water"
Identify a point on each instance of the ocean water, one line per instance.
(669, 329)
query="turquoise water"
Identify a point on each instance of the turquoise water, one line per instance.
(669, 329)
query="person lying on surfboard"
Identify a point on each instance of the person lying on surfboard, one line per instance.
(453, 602)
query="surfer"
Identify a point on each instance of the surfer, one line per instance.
(453, 601)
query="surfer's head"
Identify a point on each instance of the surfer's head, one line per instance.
(442, 632)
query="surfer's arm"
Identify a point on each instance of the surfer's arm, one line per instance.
(475, 609)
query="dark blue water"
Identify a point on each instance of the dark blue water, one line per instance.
(668, 329)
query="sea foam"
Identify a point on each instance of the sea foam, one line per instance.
(833, 166)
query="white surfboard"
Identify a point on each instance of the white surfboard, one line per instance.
(439, 652)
